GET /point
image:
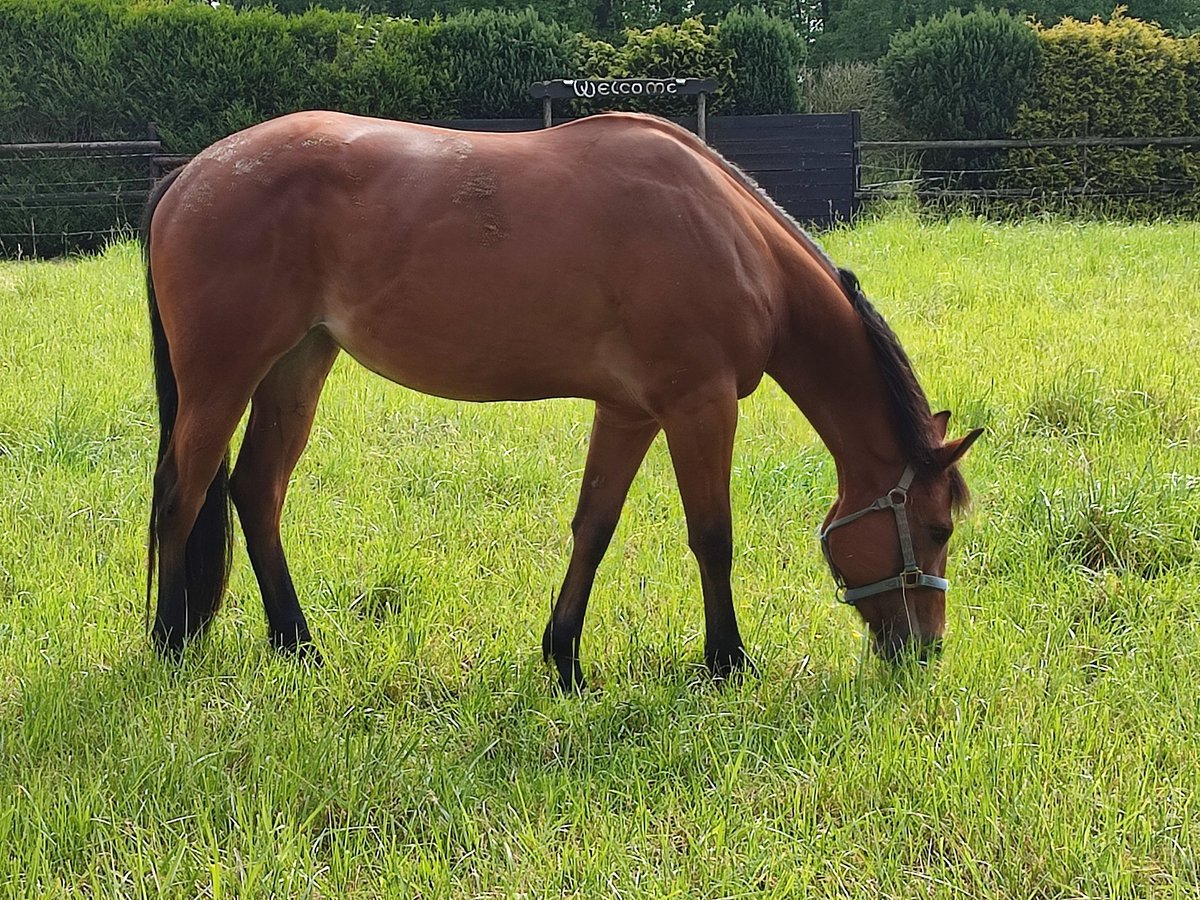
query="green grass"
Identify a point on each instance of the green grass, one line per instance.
(1052, 752)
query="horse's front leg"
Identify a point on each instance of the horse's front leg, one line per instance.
(700, 435)
(617, 447)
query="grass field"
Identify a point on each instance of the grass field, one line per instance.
(1052, 752)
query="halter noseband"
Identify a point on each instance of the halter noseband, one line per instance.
(911, 576)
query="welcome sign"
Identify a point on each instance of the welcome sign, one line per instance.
(621, 88)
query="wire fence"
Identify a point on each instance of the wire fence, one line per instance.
(58, 196)
(1153, 175)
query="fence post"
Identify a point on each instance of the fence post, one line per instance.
(855, 160)
(702, 116)
(155, 168)
(547, 112)
(1085, 161)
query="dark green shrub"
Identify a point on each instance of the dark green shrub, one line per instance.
(859, 30)
(322, 39)
(862, 29)
(574, 15)
(577, 15)
(388, 68)
(491, 57)
(766, 54)
(201, 73)
(962, 76)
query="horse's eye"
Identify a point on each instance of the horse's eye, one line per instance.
(941, 534)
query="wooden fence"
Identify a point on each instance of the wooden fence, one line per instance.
(807, 163)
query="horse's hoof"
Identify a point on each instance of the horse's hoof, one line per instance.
(168, 651)
(168, 643)
(297, 646)
(570, 675)
(566, 663)
(730, 664)
(306, 653)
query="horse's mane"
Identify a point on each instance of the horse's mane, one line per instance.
(909, 406)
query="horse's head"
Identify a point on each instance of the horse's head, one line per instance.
(889, 557)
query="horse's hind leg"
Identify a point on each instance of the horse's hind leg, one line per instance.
(700, 436)
(190, 529)
(281, 416)
(618, 444)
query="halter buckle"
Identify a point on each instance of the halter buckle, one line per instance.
(911, 578)
(897, 496)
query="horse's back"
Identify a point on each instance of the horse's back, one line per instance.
(574, 260)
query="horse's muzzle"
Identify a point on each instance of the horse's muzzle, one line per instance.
(900, 649)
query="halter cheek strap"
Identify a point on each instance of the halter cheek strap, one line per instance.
(911, 576)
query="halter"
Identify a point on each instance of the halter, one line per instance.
(911, 576)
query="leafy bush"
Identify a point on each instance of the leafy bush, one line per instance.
(861, 29)
(1117, 78)
(689, 49)
(1120, 77)
(387, 68)
(962, 76)
(766, 54)
(201, 72)
(58, 72)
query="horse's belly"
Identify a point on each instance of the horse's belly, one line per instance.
(480, 361)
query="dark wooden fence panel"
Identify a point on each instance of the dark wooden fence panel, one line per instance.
(807, 163)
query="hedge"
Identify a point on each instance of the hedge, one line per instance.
(104, 69)
(986, 75)
(1120, 78)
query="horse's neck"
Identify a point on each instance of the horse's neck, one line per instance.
(825, 363)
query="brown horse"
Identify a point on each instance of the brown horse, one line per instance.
(616, 258)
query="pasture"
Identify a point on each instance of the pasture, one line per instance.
(1053, 751)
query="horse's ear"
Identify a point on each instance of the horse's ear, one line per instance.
(948, 454)
(940, 422)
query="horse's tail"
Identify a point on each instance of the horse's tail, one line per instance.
(209, 546)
